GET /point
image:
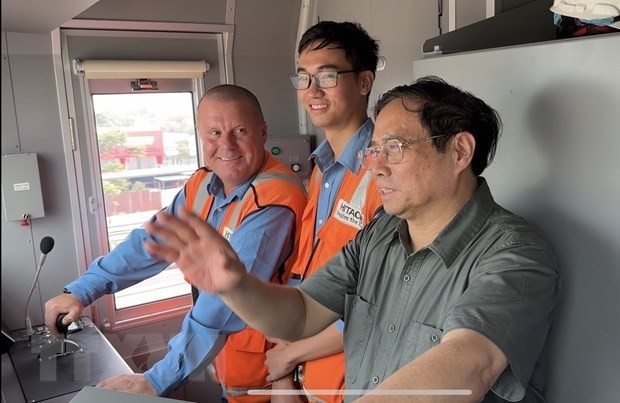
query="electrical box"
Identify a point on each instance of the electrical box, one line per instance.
(21, 187)
(294, 152)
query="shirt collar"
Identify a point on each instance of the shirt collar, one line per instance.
(465, 224)
(324, 154)
(460, 230)
(215, 187)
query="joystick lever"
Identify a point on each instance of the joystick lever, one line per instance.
(62, 328)
(62, 346)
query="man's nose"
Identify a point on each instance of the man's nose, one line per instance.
(228, 140)
(314, 87)
(377, 166)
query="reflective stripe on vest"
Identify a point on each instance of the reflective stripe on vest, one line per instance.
(359, 196)
(263, 177)
(203, 194)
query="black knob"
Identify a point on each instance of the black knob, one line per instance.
(62, 328)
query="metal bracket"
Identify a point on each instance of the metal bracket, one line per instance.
(142, 84)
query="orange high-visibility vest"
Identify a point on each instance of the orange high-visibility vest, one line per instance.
(241, 363)
(356, 204)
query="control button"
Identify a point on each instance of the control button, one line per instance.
(296, 167)
(276, 150)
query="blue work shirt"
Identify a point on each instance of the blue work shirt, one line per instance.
(263, 242)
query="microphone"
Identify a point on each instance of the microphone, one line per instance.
(47, 244)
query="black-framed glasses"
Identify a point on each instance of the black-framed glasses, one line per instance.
(391, 150)
(323, 79)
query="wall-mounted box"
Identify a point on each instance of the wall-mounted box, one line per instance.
(294, 152)
(21, 187)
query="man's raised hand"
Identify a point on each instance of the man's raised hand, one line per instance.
(206, 258)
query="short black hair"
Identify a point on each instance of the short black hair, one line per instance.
(444, 109)
(359, 48)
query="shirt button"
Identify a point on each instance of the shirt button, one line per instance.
(392, 328)
(434, 338)
(326, 185)
(320, 222)
(407, 277)
(375, 380)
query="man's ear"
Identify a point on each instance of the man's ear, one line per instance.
(366, 79)
(464, 145)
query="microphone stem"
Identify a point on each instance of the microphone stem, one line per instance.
(36, 278)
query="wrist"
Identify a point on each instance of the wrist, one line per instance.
(294, 354)
(287, 382)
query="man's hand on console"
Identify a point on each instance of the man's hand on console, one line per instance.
(133, 383)
(62, 304)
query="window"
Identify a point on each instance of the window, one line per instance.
(142, 138)
(142, 147)
(133, 59)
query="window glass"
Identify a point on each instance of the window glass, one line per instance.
(147, 150)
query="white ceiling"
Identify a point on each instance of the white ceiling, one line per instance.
(40, 16)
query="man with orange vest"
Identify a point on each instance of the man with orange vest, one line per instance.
(255, 202)
(335, 74)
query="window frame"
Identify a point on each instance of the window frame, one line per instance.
(73, 95)
(113, 319)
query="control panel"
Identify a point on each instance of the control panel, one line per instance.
(294, 151)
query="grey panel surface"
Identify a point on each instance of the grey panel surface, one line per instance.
(45, 379)
(557, 165)
(294, 152)
(264, 56)
(97, 395)
(37, 115)
(10, 140)
(190, 11)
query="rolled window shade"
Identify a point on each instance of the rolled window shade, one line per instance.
(140, 68)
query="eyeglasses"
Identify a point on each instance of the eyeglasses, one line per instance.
(391, 150)
(323, 79)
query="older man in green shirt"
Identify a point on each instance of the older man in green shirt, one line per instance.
(448, 291)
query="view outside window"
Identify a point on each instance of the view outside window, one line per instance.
(147, 150)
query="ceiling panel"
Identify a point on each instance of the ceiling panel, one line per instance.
(40, 16)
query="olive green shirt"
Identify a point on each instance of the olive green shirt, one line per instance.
(488, 270)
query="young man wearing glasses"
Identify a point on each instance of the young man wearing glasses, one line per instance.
(447, 293)
(335, 74)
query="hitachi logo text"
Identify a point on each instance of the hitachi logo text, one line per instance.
(349, 214)
(227, 233)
